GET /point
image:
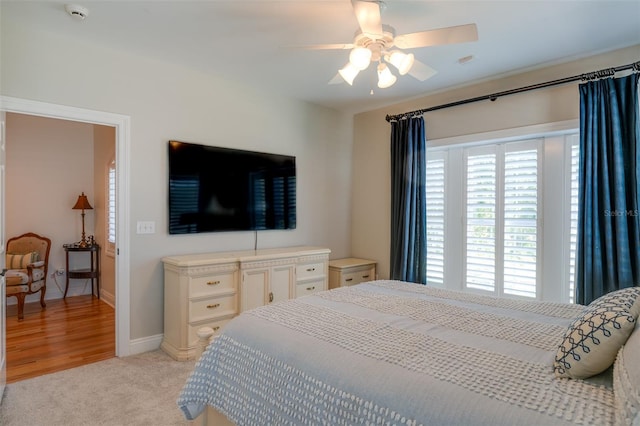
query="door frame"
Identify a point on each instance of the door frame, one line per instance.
(122, 124)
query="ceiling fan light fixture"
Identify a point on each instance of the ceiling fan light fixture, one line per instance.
(360, 57)
(402, 61)
(348, 73)
(385, 78)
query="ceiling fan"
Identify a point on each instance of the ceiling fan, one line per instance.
(376, 42)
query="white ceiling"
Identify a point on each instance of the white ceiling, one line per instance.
(255, 41)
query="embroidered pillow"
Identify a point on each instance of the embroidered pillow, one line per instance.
(20, 261)
(628, 297)
(592, 341)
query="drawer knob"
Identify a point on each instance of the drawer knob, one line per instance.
(213, 282)
(311, 288)
(213, 306)
(349, 279)
(365, 276)
(311, 269)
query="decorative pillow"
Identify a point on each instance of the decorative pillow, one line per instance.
(20, 261)
(628, 297)
(592, 341)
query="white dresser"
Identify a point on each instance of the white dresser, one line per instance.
(208, 290)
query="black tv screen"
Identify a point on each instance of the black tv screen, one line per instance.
(215, 189)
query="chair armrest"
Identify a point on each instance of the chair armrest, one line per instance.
(35, 265)
(10, 273)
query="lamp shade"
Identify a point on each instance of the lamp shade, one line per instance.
(82, 203)
(360, 57)
(385, 78)
(402, 61)
(348, 73)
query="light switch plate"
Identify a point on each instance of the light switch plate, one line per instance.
(146, 227)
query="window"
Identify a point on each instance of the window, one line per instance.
(111, 208)
(486, 203)
(573, 227)
(480, 221)
(435, 218)
(501, 221)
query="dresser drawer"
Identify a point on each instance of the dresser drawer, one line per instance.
(212, 307)
(216, 325)
(309, 287)
(212, 284)
(357, 276)
(310, 270)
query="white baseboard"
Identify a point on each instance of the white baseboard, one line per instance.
(108, 298)
(145, 344)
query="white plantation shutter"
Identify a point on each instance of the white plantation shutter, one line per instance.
(520, 222)
(435, 191)
(485, 229)
(480, 220)
(111, 207)
(501, 222)
(573, 229)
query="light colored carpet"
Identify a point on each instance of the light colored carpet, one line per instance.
(136, 390)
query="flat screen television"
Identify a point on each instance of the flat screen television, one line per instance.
(215, 189)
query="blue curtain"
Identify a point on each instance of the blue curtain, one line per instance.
(608, 245)
(408, 203)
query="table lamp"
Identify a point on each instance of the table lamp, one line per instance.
(82, 204)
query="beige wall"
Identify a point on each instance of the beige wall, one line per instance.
(370, 214)
(168, 101)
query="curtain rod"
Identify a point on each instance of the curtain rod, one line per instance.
(607, 72)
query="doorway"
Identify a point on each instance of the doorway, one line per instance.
(54, 161)
(121, 124)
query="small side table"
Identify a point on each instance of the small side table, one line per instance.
(351, 271)
(93, 272)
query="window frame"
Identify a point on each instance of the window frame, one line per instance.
(552, 250)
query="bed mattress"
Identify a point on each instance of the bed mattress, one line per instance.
(390, 352)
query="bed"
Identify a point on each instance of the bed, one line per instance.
(397, 353)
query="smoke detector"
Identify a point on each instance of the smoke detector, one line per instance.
(76, 11)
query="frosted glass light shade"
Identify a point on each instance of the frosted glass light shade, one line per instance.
(360, 57)
(402, 61)
(348, 73)
(385, 78)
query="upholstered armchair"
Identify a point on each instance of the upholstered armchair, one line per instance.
(27, 263)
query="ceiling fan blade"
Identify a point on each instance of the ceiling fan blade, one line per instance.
(325, 46)
(421, 71)
(448, 35)
(368, 16)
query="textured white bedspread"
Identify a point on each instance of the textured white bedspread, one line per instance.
(388, 352)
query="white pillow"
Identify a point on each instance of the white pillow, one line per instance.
(626, 381)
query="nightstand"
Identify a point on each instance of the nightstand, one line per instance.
(350, 271)
(91, 272)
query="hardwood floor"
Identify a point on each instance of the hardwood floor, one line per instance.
(69, 333)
